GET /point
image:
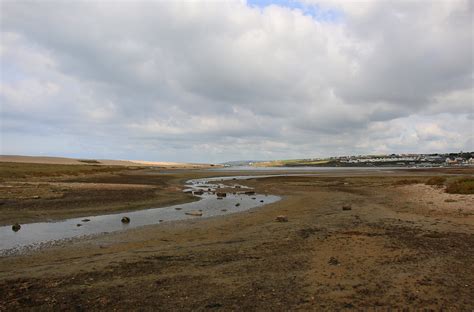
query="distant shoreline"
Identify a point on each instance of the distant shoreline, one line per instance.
(100, 162)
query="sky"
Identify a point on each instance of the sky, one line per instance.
(214, 81)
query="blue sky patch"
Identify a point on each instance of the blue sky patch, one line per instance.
(315, 11)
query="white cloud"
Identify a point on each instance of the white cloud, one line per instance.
(212, 81)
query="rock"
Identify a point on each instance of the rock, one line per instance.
(237, 205)
(221, 194)
(78, 224)
(223, 209)
(347, 207)
(254, 198)
(36, 197)
(281, 218)
(261, 201)
(125, 220)
(198, 192)
(333, 261)
(219, 198)
(160, 220)
(178, 208)
(194, 213)
(249, 192)
(16, 227)
(85, 220)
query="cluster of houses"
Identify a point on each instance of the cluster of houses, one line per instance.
(392, 160)
(459, 161)
(424, 160)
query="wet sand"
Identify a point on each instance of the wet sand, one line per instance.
(399, 246)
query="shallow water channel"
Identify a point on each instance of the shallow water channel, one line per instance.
(42, 234)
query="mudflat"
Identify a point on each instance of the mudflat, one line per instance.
(385, 239)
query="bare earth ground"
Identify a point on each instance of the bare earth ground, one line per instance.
(41, 198)
(400, 246)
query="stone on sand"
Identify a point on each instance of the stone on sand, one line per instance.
(194, 213)
(281, 218)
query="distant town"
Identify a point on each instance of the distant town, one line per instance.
(390, 160)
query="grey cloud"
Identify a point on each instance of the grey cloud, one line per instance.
(224, 79)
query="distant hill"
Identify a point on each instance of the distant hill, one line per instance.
(103, 162)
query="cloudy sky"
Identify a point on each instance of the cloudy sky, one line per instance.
(223, 80)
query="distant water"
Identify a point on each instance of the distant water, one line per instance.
(308, 169)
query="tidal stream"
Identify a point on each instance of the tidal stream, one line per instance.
(42, 234)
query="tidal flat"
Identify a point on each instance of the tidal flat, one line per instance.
(352, 239)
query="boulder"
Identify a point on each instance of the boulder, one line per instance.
(281, 218)
(16, 227)
(261, 201)
(333, 261)
(249, 192)
(237, 205)
(85, 220)
(125, 220)
(198, 192)
(221, 194)
(78, 224)
(178, 208)
(194, 213)
(347, 207)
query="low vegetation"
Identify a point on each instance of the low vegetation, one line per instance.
(26, 170)
(89, 161)
(439, 181)
(292, 163)
(461, 186)
(407, 182)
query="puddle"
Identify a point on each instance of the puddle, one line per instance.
(37, 235)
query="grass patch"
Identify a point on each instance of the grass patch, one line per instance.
(29, 170)
(407, 181)
(461, 186)
(436, 181)
(292, 163)
(89, 161)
